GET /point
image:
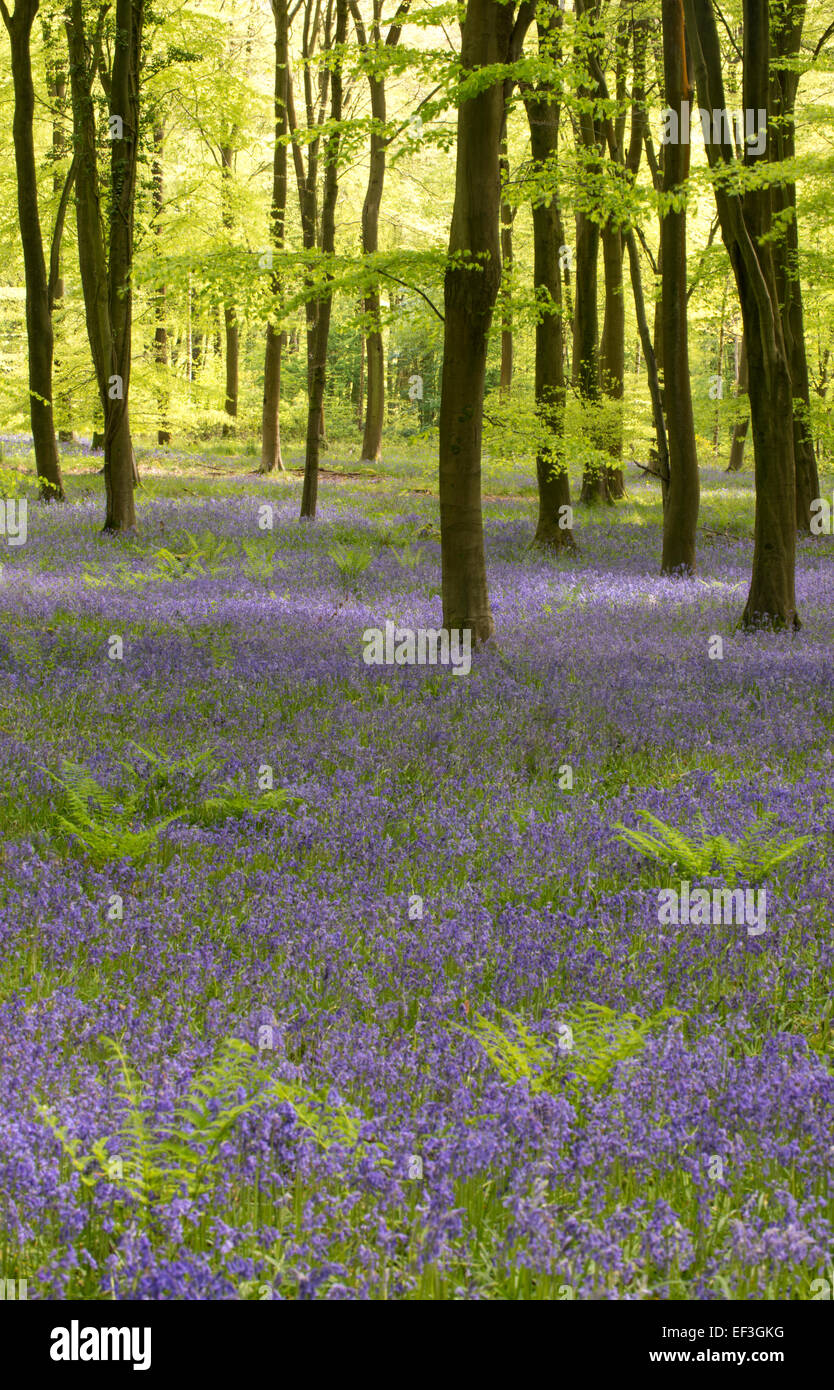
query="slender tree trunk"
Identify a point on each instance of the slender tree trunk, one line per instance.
(38, 307)
(788, 20)
(106, 277)
(470, 292)
(360, 389)
(586, 374)
(271, 456)
(680, 520)
(307, 182)
(506, 377)
(230, 320)
(375, 414)
(555, 521)
(716, 431)
(92, 259)
(741, 426)
(56, 84)
(275, 337)
(651, 363)
(630, 159)
(585, 346)
(119, 457)
(739, 439)
(657, 166)
(612, 348)
(657, 330)
(374, 418)
(612, 342)
(318, 364)
(163, 434)
(232, 337)
(821, 392)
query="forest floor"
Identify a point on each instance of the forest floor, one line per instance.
(325, 979)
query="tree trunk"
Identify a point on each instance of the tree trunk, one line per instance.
(56, 85)
(739, 439)
(307, 182)
(230, 320)
(92, 259)
(657, 330)
(375, 411)
(741, 426)
(585, 347)
(232, 338)
(657, 165)
(651, 362)
(506, 377)
(470, 291)
(163, 434)
(360, 388)
(38, 309)
(586, 318)
(119, 458)
(630, 160)
(375, 414)
(275, 337)
(106, 279)
(372, 438)
(787, 38)
(318, 361)
(719, 376)
(772, 597)
(680, 519)
(271, 456)
(612, 348)
(599, 366)
(746, 219)
(554, 525)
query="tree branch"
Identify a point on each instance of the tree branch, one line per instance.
(738, 51)
(58, 231)
(826, 36)
(404, 283)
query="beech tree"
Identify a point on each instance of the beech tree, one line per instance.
(612, 340)
(323, 301)
(508, 212)
(788, 17)
(228, 150)
(160, 337)
(585, 372)
(680, 518)
(628, 160)
(492, 36)
(317, 39)
(745, 203)
(41, 288)
(230, 319)
(554, 525)
(106, 275)
(63, 178)
(218, 138)
(275, 336)
(373, 51)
